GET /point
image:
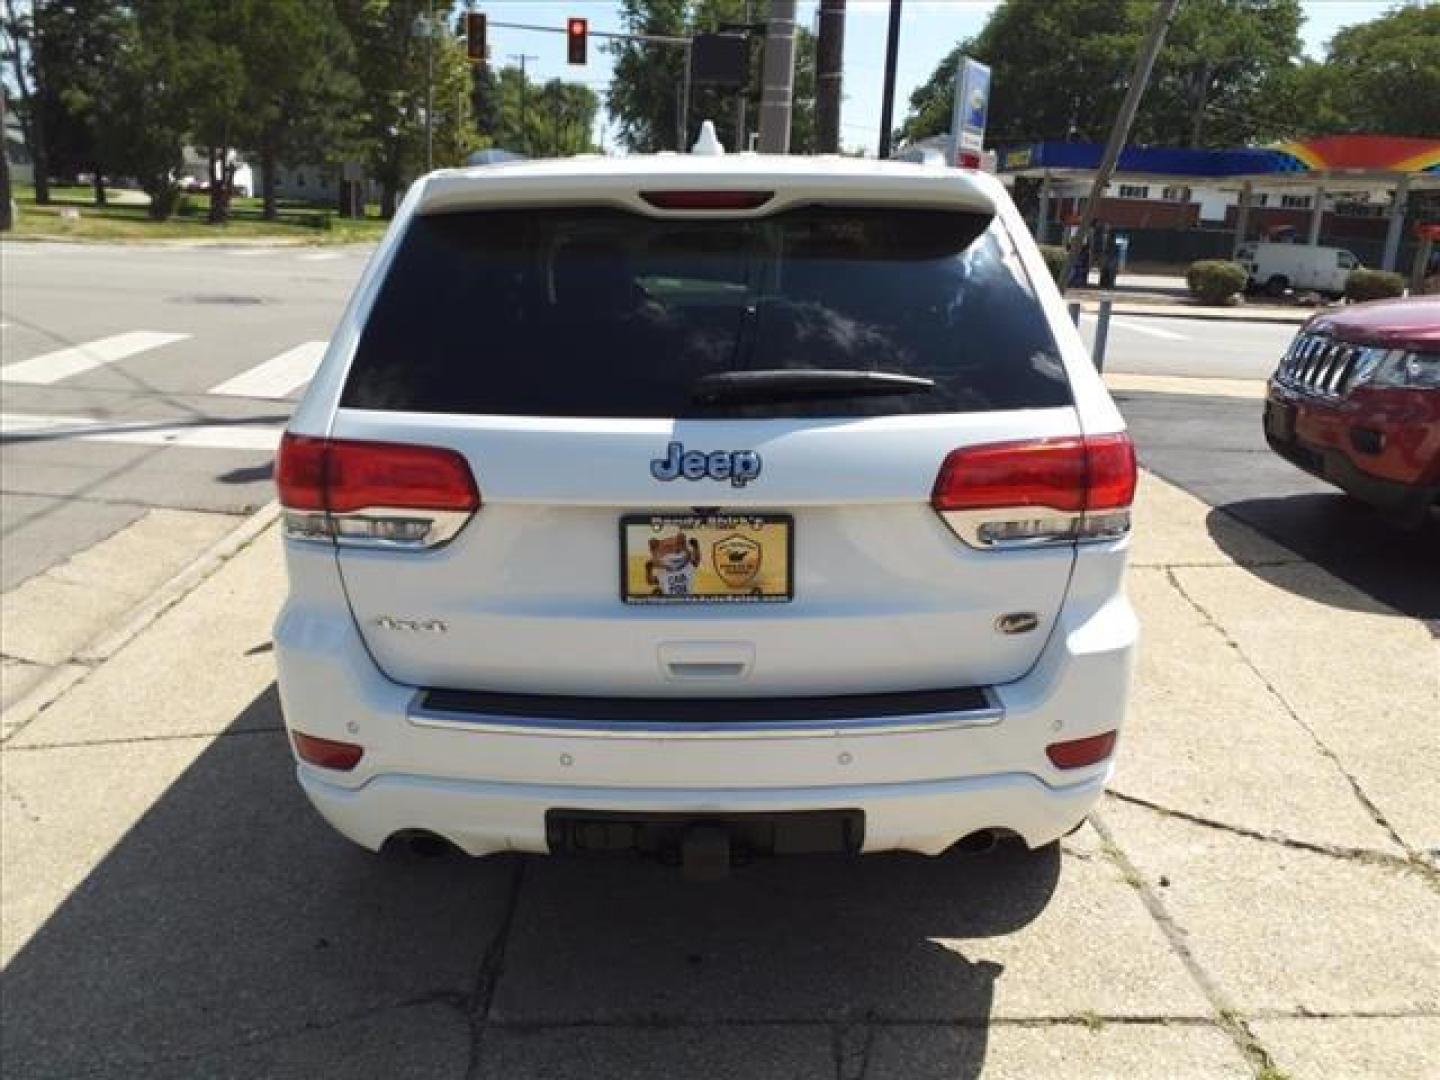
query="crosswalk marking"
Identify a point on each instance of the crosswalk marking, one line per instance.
(19, 428)
(63, 363)
(320, 256)
(277, 376)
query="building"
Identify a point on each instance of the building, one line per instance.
(1177, 205)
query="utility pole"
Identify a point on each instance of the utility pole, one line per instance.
(777, 78)
(829, 54)
(524, 86)
(1120, 131)
(745, 86)
(887, 101)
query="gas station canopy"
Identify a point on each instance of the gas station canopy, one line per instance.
(1330, 160)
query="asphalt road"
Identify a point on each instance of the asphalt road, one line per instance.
(157, 336)
(142, 377)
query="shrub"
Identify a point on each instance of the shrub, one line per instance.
(1365, 284)
(1054, 260)
(1214, 281)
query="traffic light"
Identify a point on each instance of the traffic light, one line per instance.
(577, 34)
(475, 46)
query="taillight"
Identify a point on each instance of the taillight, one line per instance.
(1038, 491)
(327, 753)
(373, 494)
(1077, 753)
(707, 200)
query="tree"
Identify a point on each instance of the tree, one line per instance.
(645, 92)
(301, 85)
(1218, 74)
(1060, 69)
(19, 29)
(75, 44)
(1385, 74)
(550, 120)
(390, 49)
(145, 135)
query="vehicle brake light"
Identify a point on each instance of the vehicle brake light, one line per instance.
(327, 753)
(1077, 753)
(373, 493)
(1038, 491)
(707, 200)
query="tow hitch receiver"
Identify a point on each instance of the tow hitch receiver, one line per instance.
(706, 845)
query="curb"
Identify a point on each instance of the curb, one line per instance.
(1156, 311)
(134, 622)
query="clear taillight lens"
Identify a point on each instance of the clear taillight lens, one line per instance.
(1038, 491)
(373, 494)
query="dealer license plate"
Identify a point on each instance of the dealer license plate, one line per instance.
(707, 558)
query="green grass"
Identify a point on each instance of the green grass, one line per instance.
(124, 218)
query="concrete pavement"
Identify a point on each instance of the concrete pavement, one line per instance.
(1258, 893)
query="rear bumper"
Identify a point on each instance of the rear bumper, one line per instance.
(922, 782)
(481, 818)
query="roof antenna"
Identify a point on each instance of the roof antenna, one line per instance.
(708, 144)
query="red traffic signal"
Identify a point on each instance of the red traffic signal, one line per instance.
(577, 36)
(475, 46)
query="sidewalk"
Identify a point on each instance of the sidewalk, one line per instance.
(1258, 892)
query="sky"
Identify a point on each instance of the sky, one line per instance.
(929, 29)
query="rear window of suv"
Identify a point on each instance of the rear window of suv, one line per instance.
(593, 312)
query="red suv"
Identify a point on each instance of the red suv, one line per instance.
(1356, 401)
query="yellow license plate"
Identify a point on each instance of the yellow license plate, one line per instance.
(706, 558)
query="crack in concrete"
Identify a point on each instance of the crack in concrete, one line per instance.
(1226, 1016)
(1368, 856)
(1376, 814)
(492, 966)
(175, 737)
(851, 1062)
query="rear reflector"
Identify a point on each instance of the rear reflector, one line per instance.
(1077, 753)
(707, 200)
(1038, 490)
(373, 493)
(327, 753)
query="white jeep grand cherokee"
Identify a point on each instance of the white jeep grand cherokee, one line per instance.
(705, 505)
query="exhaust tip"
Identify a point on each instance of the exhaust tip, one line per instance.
(981, 842)
(420, 845)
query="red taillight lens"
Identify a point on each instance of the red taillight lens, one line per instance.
(1071, 473)
(341, 475)
(1110, 463)
(373, 493)
(1077, 753)
(707, 200)
(373, 474)
(300, 472)
(327, 753)
(1038, 491)
(1040, 472)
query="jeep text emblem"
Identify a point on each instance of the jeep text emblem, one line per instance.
(737, 466)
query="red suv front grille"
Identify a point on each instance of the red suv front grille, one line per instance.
(1321, 365)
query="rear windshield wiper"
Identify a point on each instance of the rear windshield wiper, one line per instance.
(802, 384)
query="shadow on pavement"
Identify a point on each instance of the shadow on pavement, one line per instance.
(231, 933)
(1398, 567)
